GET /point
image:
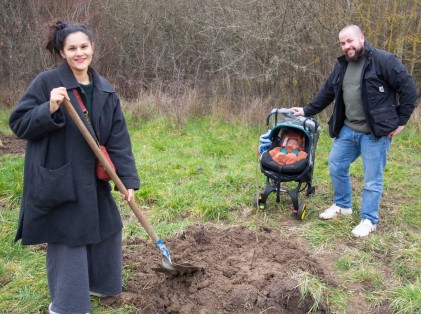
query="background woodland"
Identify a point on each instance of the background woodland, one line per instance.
(238, 51)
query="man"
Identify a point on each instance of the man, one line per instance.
(374, 97)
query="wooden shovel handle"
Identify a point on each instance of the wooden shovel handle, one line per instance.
(104, 162)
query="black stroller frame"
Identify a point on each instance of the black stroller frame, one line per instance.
(278, 122)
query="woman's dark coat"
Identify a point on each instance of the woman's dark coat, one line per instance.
(63, 201)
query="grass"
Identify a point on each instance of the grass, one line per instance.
(310, 285)
(4, 121)
(207, 170)
(407, 298)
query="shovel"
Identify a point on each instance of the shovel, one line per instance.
(167, 264)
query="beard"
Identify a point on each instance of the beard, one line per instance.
(357, 55)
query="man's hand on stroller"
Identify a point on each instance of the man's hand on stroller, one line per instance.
(298, 111)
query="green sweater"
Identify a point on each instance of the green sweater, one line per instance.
(88, 90)
(352, 96)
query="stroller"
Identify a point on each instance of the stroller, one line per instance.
(285, 125)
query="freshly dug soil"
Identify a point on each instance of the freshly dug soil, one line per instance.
(10, 144)
(241, 271)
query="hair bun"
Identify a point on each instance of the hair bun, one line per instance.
(61, 25)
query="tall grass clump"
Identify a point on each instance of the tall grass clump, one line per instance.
(407, 298)
(311, 286)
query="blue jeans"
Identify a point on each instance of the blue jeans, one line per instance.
(346, 148)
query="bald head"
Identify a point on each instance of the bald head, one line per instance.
(351, 39)
(354, 29)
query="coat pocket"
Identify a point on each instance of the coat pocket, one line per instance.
(55, 186)
(385, 120)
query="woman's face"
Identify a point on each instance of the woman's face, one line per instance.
(78, 51)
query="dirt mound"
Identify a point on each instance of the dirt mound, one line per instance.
(243, 271)
(10, 144)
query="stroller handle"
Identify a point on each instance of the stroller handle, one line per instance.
(284, 111)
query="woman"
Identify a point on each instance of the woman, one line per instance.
(64, 204)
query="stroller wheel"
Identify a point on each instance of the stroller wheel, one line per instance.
(311, 191)
(302, 210)
(258, 203)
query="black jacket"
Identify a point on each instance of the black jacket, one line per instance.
(388, 92)
(63, 201)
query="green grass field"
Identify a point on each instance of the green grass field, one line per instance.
(207, 170)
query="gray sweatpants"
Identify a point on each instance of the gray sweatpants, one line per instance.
(74, 271)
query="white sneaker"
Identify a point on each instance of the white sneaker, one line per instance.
(334, 211)
(50, 311)
(96, 294)
(364, 228)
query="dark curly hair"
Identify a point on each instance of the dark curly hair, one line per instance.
(58, 32)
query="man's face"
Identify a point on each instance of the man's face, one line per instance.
(351, 44)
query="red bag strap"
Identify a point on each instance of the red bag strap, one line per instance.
(84, 110)
(79, 100)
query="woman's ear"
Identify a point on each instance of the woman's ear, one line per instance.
(62, 54)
